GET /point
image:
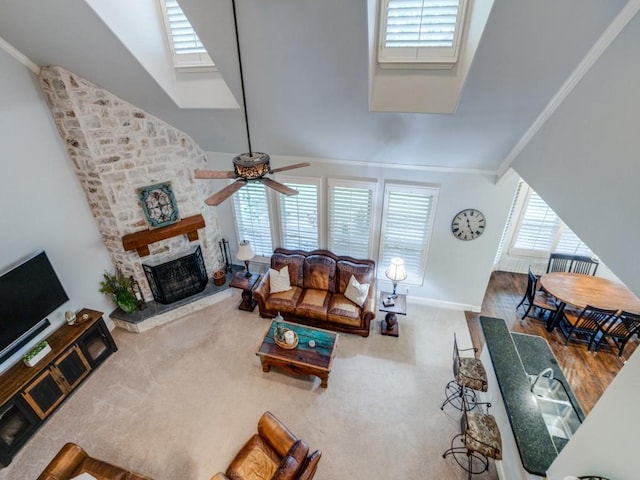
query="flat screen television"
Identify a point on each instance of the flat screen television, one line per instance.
(30, 290)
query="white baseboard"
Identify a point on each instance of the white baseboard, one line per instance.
(431, 302)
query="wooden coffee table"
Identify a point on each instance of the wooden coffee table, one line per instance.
(303, 359)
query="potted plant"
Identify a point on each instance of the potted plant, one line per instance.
(119, 286)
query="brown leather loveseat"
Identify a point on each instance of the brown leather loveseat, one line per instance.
(318, 283)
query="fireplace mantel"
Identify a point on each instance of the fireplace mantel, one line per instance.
(140, 240)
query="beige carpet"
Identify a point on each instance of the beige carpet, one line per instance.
(178, 401)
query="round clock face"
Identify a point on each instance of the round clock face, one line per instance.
(468, 224)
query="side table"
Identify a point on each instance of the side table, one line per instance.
(240, 280)
(389, 326)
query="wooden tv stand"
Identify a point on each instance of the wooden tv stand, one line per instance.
(29, 395)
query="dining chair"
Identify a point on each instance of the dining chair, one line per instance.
(585, 325)
(620, 331)
(480, 440)
(535, 299)
(469, 376)
(584, 265)
(559, 262)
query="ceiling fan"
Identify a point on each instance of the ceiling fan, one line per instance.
(247, 167)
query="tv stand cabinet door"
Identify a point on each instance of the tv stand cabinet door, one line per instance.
(97, 344)
(52, 386)
(45, 393)
(17, 424)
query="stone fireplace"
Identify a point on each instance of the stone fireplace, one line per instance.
(116, 149)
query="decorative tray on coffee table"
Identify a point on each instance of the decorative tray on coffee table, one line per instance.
(285, 344)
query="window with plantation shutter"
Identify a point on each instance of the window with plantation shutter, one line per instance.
(541, 231)
(186, 48)
(299, 215)
(407, 218)
(507, 228)
(350, 206)
(251, 212)
(421, 31)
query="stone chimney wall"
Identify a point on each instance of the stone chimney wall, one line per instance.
(116, 148)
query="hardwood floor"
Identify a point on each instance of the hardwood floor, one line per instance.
(588, 373)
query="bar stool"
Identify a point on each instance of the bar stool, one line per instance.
(480, 438)
(469, 376)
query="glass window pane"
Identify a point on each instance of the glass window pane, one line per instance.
(406, 228)
(252, 217)
(350, 218)
(299, 217)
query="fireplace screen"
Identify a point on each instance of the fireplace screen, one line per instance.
(177, 279)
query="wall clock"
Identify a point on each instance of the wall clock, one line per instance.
(468, 224)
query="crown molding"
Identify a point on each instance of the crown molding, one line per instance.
(19, 56)
(364, 163)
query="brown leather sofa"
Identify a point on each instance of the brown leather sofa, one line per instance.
(318, 283)
(72, 460)
(274, 453)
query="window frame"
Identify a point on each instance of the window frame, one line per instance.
(420, 57)
(415, 277)
(195, 61)
(293, 181)
(260, 254)
(560, 229)
(356, 184)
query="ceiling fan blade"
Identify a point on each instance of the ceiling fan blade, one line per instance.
(214, 174)
(220, 196)
(278, 186)
(290, 167)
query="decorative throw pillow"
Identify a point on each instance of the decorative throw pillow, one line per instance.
(279, 280)
(356, 292)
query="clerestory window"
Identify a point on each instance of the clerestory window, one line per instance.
(420, 33)
(186, 48)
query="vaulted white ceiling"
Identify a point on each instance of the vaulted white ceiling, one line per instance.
(306, 66)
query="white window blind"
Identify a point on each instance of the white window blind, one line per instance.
(350, 218)
(186, 47)
(299, 216)
(421, 31)
(406, 228)
(541, 231)
(510, 218)
(252, 217)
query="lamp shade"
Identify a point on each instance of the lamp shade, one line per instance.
(245, 251)
(396, 272)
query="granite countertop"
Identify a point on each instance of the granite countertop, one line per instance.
(513, 356)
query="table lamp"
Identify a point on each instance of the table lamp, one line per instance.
(396, 273)
(245, 253)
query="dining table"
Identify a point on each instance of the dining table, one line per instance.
(579, 290)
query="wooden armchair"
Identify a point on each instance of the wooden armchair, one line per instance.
(72, 460)
(274, 453)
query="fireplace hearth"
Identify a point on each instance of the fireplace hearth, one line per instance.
(177, 279)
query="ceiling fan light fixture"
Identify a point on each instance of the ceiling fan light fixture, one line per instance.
(251, 166)
(247, 167)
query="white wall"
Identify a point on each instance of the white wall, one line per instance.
(457, 271)
(585, 163)
(43, 205)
